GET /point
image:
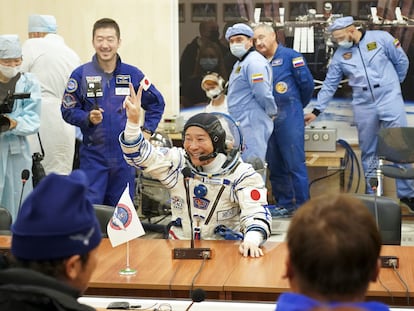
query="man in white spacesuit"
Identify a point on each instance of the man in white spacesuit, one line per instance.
(375, 64)
(214, 195)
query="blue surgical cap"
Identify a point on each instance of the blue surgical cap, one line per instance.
(239, 29)
(42, 23)
(10, 46)
(341, 23)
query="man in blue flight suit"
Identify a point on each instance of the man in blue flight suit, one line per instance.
(93, 102)
(375, 65)
(292, 89)
(249, 96)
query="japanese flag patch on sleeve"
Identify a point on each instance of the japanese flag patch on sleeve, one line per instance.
(145, 83)
(254, 195)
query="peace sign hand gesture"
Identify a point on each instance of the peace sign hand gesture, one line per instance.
(132, 104)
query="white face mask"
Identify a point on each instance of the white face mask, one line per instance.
(213, 93)
(8, 71)
(346, 44)
(238, 49)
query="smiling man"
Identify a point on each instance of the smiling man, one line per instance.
(93, 102)
(214, 195)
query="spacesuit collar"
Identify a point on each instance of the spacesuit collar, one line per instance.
(215, 165)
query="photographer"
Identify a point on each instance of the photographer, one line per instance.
(19, 117)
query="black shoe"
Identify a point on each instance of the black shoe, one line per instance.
(409, 202)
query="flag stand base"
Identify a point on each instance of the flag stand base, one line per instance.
(127, 271)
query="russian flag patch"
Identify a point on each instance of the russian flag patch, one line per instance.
(257, 77)
(298, 62)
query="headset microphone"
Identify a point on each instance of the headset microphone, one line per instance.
(208, 157)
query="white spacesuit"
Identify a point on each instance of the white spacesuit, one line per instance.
(219, 200)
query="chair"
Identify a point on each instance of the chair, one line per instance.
(5, 221)
(387, 213)
(104, 214)
(395, 145)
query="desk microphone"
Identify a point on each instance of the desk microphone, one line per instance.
(198, 295)
(25, 177)
(190, 253)
(373, 182)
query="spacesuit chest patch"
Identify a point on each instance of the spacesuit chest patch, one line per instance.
(201, 203)
(277, 62)
(72, 85)
(123, 79)
(281, 87)
(177, 203)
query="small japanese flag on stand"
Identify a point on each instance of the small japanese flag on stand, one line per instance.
(124, 224)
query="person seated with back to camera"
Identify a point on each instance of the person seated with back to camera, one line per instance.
(52, 258)
(333, 254)
(228, 197)
(215, 87)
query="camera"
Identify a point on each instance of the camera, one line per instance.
(7, 105)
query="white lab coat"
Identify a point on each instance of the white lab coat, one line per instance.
(52, 61)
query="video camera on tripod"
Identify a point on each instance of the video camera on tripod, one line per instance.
(6, 106)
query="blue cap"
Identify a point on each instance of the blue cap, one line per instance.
(239, 29)
(42, 23)
(56, 220)
(341, 23)
(10, 46)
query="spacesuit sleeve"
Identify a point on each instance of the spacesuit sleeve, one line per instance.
(72, 109)
(252, 197)
(396, 55)
(163, 164)
(304, 80)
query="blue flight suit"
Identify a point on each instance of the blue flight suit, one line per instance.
(375, 68)
(15, 154)
(292, 89)
(251, 103)
(89, 87)
(295, 302)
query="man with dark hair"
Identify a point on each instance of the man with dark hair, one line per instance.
(54, 247)
(333, 254)
(93, 102)
(214, 195)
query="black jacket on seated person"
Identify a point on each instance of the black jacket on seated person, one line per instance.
(29, 290)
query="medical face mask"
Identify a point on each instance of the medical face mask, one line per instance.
(213, 93)
(238, 49)
(208, 63)
(346, 44)
(9, 72)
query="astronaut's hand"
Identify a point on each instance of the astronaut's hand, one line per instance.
(96, 116)
(309, 117)
(4, 123)
(132, 104)
(251, 244)
(251, 249)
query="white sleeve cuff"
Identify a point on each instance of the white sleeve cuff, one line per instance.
(132, 132)
(255, 237)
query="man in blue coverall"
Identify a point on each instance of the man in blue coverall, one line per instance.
(93, 101)
(249, 97)
(292, 89)
(375, 65)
